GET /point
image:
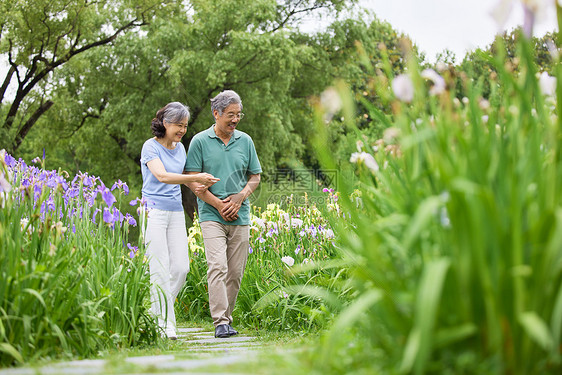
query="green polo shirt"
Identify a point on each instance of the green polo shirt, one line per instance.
(231, 163)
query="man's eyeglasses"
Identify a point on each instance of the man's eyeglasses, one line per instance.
(230, 116)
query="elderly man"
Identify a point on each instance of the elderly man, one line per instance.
(224, 210)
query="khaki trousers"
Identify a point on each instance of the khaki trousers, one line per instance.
(226, 249)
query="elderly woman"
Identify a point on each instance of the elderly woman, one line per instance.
(163, 158)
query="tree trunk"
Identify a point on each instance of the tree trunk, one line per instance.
(189, 201)
(29, 124)
(6, 83)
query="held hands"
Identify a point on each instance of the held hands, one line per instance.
(205, 180)
(231, 206)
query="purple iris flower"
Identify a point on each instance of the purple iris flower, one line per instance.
(52, 183)
(90, 197)
(108, 216)
(71, 193)
(94, 215)
(272, 231)
(250, 251)
(117, 216)
(75, 179)
(9, 159)
(134, 202)
(130, 220)
(51, 204)
(133, 251)
(312, 231)
(88, 181)
(121, 185)
(73, 228)
(108, 197)
(62, 182)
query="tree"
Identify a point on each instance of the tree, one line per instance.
(39, 36)
(476, 65)
(108, 96)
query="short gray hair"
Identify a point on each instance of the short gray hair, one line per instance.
(223, 100)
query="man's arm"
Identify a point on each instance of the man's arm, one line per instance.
(206, 196)
(234, 202)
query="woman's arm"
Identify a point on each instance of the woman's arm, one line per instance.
(159, 171)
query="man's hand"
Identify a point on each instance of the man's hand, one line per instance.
(232, 204)
(224, 206)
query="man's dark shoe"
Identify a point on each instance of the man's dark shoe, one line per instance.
(221, 331)
(232, 331)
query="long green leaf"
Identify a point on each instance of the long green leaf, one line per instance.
(420, 341)
(11, 351)
(537, 329)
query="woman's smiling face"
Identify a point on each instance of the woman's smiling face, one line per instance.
(176, 130)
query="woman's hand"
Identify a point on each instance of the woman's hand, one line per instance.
(200, 189)
(206, 179)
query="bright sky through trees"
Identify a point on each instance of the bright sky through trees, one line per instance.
(435, 25)
(458, 25)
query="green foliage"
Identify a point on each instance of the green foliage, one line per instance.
(40, 36)
(453, 233)
(110, 94)
(478, 67)
(68, 285)
(275, 295)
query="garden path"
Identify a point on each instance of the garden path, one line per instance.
(197, 350)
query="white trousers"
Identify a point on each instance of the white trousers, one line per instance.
(167, 251)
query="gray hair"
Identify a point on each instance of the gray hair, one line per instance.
(173, 112)
(223, 100)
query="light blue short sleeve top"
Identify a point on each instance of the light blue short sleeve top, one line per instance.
(159, 195)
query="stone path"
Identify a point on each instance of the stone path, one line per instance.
(200, 350)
